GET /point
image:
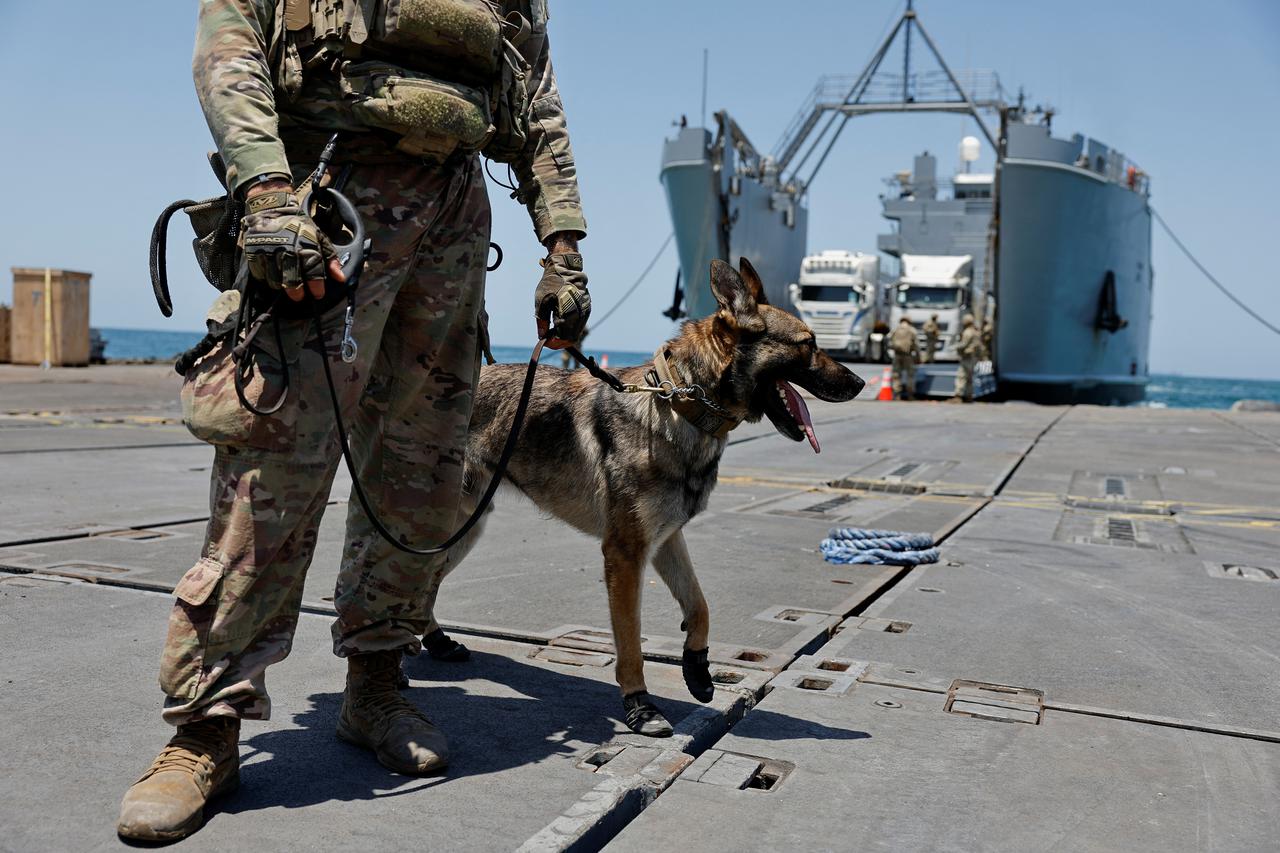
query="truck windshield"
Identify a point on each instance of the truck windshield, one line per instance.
(828, 293)
(915, 296)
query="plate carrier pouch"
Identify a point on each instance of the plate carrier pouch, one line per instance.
(440, 75)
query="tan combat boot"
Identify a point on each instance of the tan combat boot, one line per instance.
(201, 761)
(375, 716)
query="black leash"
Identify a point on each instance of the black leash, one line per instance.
(499, 471)
(595, 370)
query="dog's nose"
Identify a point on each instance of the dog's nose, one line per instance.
(858, 384)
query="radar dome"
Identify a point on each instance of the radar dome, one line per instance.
(970, 148)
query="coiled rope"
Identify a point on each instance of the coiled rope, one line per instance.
(848, 545)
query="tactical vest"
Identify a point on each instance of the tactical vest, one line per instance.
(441, 75)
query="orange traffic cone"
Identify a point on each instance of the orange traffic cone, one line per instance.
(886, 386)
(604, 361)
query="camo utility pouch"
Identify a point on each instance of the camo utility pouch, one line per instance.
(523, 35)
(432, 117)
(510, 110)
(466, 33)
(211, 409)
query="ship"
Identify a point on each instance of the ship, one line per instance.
(1059, 232)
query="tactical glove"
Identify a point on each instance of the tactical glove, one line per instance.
(562, 297)
(282, 245)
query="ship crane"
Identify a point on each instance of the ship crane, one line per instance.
(836, 99)
(717, 186)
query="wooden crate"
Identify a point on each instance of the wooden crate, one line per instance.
(4, 333)
(59, 335)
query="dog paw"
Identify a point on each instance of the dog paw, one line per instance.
(440, 646)
(643, 717)
(697, 675)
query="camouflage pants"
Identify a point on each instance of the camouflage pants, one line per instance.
(930, 348)
(964, 378)
(407, 402)
(904, 376)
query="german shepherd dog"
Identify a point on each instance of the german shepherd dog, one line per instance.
(630, 470)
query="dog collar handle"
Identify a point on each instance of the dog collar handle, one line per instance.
(698, 410)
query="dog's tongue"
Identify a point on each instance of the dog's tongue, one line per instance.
(799, 411)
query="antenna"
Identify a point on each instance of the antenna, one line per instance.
(703, 114)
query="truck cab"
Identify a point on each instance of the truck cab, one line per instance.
(935, 284)
(840, 297)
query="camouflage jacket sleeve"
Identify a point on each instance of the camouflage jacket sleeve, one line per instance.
(234, 83)
(546, 171)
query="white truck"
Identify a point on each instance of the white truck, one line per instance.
(935, 284)
(840, 296)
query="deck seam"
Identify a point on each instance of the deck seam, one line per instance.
(1222, 417)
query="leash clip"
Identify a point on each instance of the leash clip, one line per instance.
(349, 348)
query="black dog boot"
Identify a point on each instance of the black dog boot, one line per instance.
(643, 717)
(697, 675)
(440, 646)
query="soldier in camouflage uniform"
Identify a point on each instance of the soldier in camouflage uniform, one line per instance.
(988, 340)
(407, 397)
(905, 349)
(968, 349)
(931, 331)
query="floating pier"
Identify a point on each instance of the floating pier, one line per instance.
(1092, 665)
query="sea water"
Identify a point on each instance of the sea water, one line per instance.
(1175, 392)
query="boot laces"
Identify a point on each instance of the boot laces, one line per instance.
(187, 751)
(388, 705)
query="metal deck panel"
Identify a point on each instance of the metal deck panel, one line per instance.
(912, 777)
(81, 710)
(978, 445)
(1132, 629)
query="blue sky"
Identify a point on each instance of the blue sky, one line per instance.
(102, 129)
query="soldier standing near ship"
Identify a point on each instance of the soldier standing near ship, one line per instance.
(417, 90)
(968, 349)
(905, 349)
(931, 331)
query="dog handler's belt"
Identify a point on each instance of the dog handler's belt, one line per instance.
(692, 405)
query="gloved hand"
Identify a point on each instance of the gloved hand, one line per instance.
(284, 247)
(561, 301)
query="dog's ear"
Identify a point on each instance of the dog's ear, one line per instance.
(737, 304)
(752, 278)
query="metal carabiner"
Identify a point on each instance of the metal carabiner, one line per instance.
(349, 348)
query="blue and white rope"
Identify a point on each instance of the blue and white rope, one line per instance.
(851, 545)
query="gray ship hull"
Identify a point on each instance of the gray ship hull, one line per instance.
(1072, 280)
(1063, 230)
(717, 211)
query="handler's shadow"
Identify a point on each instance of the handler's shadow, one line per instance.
(534, 714)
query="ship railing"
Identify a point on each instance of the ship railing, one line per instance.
(946, 188)
(833, 91)
(1113, 166)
